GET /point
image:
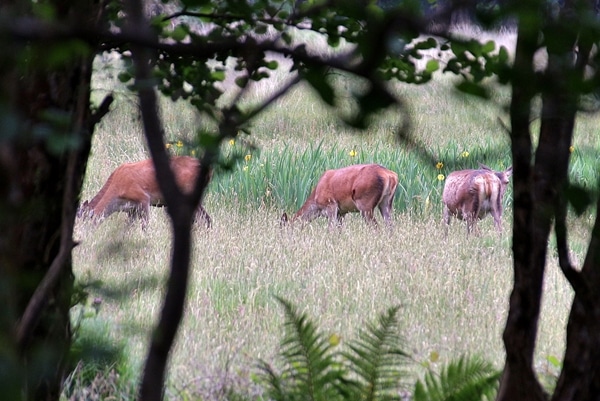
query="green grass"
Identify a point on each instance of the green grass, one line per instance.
(453, 293)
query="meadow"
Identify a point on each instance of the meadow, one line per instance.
(453, 291)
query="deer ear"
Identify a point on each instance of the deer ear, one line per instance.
(483, 166)
(509, 171)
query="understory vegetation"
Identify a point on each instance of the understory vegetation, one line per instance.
(446, 297)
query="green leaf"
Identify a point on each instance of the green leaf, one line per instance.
(474, 89)
(579, 198)
(432, 66)
(260, 29)
(218, 75)
(179, 33)
(272, 65)
(241, 81)
(316, 78)
(124, 77)
(554, 361)
(488, 47)
(44, 11)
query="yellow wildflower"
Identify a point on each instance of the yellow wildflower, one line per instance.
(248, 157)
(352, 153)
(245, 168)
(334, 339)
(193, 152)
(439, 165)
(441, 177)
(168, 146)
(464, 154)
(232, 142)
(179, 144)
(571, 149)
(434, 356)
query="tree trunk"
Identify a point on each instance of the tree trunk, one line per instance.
(540, 200)
(47, 134)
(580, 377)
(518, 379)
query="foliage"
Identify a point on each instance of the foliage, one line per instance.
(466, 379)
(283, 178)
(93, 382)
(311, 368)
(376, 359)
(372, 368)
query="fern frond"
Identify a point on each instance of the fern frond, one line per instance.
(275, 389)
(311, 371)
(467, 379)
(377, 359)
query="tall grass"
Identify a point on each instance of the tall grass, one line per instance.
(453, 292)
(284, 178)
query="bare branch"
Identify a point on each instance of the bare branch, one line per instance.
(102, 110)
(560, 228)
(273, 98)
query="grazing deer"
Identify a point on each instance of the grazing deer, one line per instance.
(357, 188)
(132, 188)
(471, 194)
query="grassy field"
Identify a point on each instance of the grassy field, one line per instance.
(453, 292)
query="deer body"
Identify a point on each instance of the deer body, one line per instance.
(472, 194)
(133, 188)
(357, 188)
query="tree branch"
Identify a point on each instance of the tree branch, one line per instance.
(560, 228)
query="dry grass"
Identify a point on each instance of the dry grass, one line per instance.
(454, 293)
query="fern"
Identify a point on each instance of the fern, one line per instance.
(377, 359)
(310, 372)
(370, 370)
(468, 379)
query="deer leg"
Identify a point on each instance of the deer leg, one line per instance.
(142, 211)
(385, 207)
(497, 221)
(366, 208)
(475, 209)
(340, 220)
(332, 213)
(497, 213)
(133, 213)
(201, 212)
(368, 216)
(446, 219)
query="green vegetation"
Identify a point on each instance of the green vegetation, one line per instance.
(453, 294)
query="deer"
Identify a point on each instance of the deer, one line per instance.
(133, 188)
(356, 188)
(470, 195)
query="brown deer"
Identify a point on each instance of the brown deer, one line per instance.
(356, 188)
(132, 188)
(471, 194)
